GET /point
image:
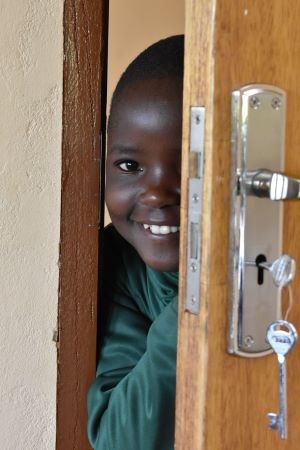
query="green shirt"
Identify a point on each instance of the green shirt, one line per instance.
(131, 403)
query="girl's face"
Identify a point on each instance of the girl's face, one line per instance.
(143, 169)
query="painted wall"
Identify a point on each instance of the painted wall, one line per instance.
(31, 57)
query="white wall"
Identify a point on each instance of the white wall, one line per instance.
(31, 56)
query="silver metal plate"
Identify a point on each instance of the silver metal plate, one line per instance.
(196, 161)
(258, 126)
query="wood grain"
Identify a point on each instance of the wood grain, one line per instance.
(222, 401)
(85, 49)
(192, 360)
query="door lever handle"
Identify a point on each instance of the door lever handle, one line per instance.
(268, 184)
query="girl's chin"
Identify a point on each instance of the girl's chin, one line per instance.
(160, 252)
(165, 265)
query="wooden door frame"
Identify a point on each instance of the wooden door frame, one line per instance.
(85, 27)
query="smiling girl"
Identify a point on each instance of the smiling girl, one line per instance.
(132, 400)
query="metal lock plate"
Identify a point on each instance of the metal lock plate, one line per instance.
(257, 139)
(195, 186)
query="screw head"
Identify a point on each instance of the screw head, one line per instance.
(276, 103)
(248, 341)
(195, 198)
(193, 267)
(197, 119)
(254, 102)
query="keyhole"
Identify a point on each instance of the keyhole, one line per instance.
(260, 270)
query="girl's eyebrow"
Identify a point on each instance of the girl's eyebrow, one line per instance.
(124, 149)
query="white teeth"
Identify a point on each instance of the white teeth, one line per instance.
(164, 229)
(155, 229)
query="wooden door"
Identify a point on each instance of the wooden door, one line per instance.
(222, 400)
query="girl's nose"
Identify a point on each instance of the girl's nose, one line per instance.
(161, 192)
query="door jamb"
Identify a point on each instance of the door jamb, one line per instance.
(85, 27)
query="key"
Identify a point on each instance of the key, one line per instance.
(282, 343)
(283, 270)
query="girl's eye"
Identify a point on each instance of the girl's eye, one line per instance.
(129, 166)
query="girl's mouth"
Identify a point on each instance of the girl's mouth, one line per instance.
(161, 229)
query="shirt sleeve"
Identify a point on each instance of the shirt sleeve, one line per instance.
(131, 403)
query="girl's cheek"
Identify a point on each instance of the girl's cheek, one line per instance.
(119, 201)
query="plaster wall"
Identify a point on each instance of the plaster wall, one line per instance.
(31, 58)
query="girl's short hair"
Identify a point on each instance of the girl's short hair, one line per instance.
(162, 59)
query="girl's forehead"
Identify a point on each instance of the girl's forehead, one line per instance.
(155, 89)
(149, 104)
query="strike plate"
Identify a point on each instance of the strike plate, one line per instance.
(257, 140)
